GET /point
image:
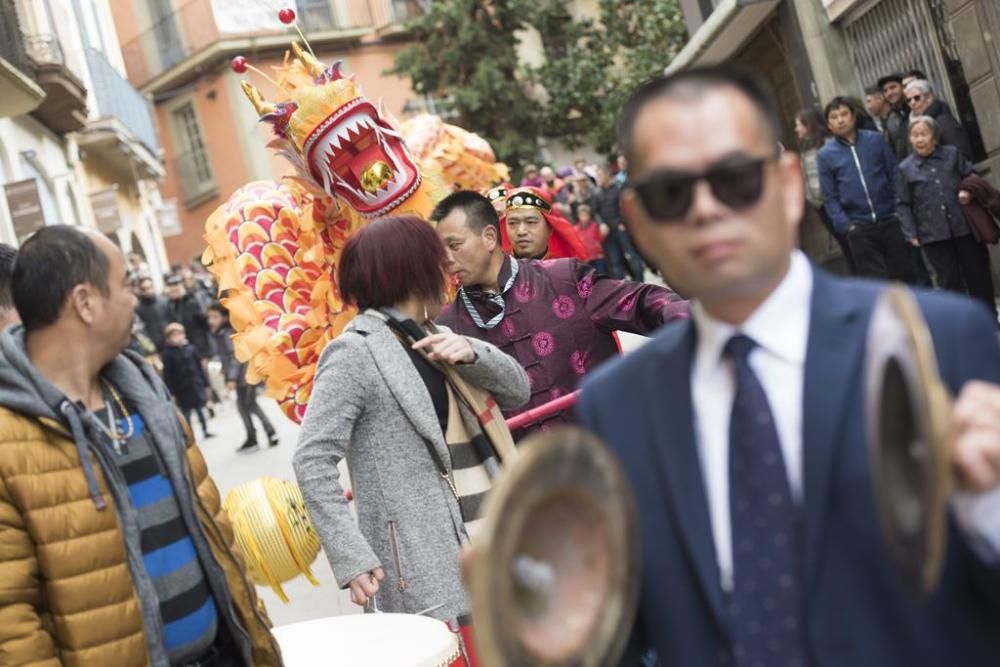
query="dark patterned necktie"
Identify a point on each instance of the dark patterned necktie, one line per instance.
(766, 596)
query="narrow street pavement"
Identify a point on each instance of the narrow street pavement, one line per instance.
(230, 469)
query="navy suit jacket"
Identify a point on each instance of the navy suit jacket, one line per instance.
(857, 613)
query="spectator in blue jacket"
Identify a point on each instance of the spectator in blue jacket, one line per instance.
(857, 174)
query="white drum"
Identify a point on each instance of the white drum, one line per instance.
(368, 640)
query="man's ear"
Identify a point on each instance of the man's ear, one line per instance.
(491, 237)
(82, 300)
(793, 189)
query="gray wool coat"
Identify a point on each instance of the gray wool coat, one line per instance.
(370, 406)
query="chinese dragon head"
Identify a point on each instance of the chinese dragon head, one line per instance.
(275, 247)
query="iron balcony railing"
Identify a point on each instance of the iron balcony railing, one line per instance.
(116, 98)
(12, 46)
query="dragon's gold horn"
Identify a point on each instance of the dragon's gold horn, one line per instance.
(262, 106)
(310, 62)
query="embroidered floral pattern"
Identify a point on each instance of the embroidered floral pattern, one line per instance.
(507, 327)
(585, 287)
(544, 343)
(627, 303)
(563, 307)
(523, 291)
(578, 360)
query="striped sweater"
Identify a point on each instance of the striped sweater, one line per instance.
(187, 608)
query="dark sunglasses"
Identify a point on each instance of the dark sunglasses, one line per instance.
(667, 195)
(915, 98)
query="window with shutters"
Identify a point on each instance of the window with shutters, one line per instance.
(191, 161)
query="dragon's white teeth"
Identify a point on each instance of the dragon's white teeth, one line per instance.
(350, 128)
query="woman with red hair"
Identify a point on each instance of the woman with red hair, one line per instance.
(386, 400)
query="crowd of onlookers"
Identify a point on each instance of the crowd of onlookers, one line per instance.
(588, 196)
(185, 333)
(893, 181)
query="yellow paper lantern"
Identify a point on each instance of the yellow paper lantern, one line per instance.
(274, 532)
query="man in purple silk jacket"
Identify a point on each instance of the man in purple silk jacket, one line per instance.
(556, 317)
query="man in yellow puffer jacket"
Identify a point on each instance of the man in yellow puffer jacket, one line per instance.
(113, 546)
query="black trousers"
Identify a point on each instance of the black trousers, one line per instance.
(841, 240)
(247, 405)
(201, 417)
(880, 251)
(963, 265)
(621, 257)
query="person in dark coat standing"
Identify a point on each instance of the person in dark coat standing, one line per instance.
(185, 308)
(928, 203)
(620, 255)
(857, 175)
(895, 126)
(235, 373)
(923, 102)
(152, 310)
(184, 375)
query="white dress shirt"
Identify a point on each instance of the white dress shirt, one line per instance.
(780, 326)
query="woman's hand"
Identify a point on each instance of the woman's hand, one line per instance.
(447, 347)
(365, 586)
(964, 197)
(915, 243)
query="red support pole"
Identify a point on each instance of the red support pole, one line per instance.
(542, 411)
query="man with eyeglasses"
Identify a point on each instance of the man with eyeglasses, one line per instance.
(742, 430)
(923, 102)
(857, 173)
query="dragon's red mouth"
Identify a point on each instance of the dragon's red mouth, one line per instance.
(351, 141)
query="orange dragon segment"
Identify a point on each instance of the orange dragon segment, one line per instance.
(274, 248)
(273, 254)
(466, 160)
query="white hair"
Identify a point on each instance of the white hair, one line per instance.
(925, 120)
(922, 85)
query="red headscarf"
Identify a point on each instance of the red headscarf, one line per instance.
(563, 241)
